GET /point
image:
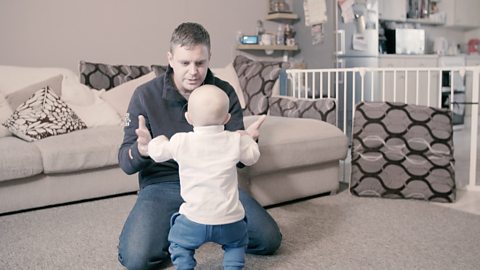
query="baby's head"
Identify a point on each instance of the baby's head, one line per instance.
(208, 105)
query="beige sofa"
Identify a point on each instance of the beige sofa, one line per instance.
(299, 157)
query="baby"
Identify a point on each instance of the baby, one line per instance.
(207, 159)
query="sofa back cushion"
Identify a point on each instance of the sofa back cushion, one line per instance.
(14, 78)
(5, 112)
(18, 97)
(105, 76)
(402, 151)
(119, 96)
(158, 69)
(322, 109)
(257, 79)
(229, 75)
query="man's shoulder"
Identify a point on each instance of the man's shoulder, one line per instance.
(154, 84)
(224, 85)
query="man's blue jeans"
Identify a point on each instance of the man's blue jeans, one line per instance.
(144, 238)
(186, 236)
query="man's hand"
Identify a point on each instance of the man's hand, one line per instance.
(254, 129)
(144, 136)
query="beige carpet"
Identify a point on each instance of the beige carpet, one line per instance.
(333, 232)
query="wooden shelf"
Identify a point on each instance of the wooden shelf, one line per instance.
(267, 47)
(419, 21)
(281, 16)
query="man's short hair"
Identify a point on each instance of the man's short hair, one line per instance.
(190, 34)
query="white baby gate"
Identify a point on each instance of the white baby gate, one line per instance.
(457, 87)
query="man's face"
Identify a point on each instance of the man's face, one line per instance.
(190, 67)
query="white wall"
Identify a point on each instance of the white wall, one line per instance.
(60, 33)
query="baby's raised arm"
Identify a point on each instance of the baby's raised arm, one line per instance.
(158, 149)
(254, 129)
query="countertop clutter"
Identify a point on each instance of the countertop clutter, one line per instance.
(442, 27)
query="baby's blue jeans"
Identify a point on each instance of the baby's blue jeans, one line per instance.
(186, 236)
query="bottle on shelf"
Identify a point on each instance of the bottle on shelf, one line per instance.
(289, 33)
(260, 29)
(280, 37)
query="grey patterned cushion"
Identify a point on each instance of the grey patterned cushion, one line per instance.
(257, 79)
(403, 151)
(322, 109)
(105, 76)
(158, 69)
(43, 115)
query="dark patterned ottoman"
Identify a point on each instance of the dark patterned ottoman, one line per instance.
(402, 151)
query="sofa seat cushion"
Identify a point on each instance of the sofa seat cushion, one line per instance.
(20, 159)
(295, 142)
(90, 148)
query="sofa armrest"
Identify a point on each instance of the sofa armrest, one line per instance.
(322, 109)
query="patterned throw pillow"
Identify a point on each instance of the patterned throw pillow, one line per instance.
(43, 115)
(322, 109)
(403, 151)
(257, 79)
(158, 69)
(104, 76)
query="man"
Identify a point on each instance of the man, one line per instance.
(160, 106)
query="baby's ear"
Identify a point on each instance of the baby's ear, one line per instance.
(188, 119)
(227, 118)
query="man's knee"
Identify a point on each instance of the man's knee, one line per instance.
(272, 243)
(142, 260)
(266, 244)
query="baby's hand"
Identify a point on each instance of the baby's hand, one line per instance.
(242, 132)
(254, 129)
(161, 138)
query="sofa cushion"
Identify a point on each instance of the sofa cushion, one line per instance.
(85, 149)
(322, 109)
(105, 76)
(43, 115)
(257, 79)
(14, 78)
(99, 113)
(18, 97)
(158, 69)
(20, 159)
(296, 142)
(119, 96)
(5, 112)
(229, 75)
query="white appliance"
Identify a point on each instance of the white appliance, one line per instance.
(405, 41)
(356, 45)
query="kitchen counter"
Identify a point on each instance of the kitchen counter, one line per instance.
(471, 57)
(408, 56)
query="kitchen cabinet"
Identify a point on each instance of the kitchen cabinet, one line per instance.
(461, 13)
(396, 10)
(405, 81)
(392, 10)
